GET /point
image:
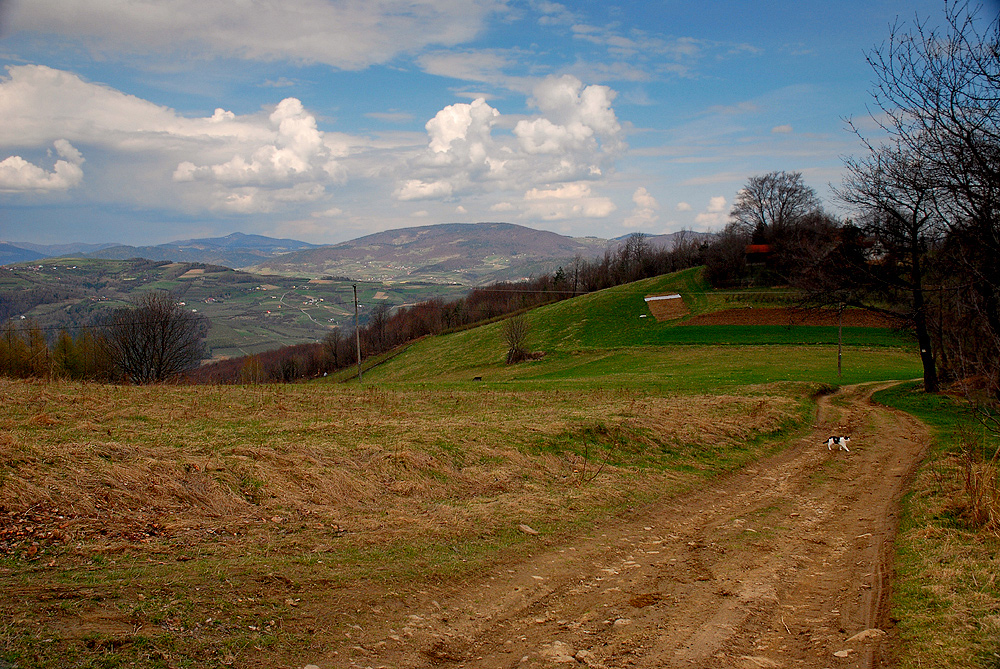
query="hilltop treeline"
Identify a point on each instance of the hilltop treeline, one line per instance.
(386, 328)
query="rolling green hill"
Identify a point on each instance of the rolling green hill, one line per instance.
(602, 338)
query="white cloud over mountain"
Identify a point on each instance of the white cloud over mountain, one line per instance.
(714, 215)
(548, 157)
(644, 214)
(223, 162)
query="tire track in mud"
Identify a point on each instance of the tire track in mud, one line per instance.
(786, 563)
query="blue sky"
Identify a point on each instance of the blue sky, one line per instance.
(145, 121)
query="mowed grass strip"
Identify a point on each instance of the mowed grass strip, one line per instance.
(252, 526)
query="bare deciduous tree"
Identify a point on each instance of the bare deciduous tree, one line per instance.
(331, 345)
(891, 192)
(771, 203)
(515, 333)
(938, 91)
(155, 339)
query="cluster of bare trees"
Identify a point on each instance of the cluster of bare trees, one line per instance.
(926, 241)
(152, 341)
(26, 352)
(776, 223)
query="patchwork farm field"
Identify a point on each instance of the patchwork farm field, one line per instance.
(248, 313)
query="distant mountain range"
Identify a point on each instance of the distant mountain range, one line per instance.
(236, 250)
(10, 254)
(462, 253)
(467, 253)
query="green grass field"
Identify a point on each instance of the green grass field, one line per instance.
(601, 339)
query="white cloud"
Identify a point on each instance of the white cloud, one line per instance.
(572, 200)
(781, 129)
(574, 118)
(149, 154)
(683, 206)
(414, 189)
(714, 215)
(644, 215)
(297, 151)
(575, 137)
(481, 65)
(350, 34)
(18, 175)
(332, 212)
(467, 126)
(644, 200)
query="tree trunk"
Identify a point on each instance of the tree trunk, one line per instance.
(920, 318)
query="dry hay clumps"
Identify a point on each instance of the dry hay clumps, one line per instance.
(129, 466)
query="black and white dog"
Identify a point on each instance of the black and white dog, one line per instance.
(838, 441)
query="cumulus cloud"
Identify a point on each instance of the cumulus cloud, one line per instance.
(415, 189)
(350, 34)
(150, 154)
(572, 200)
(644, 214)
(297, 150)
(463, 129)
(683, 206)
(574, 118)
(714, 215)
(18, 175)
(575, 137)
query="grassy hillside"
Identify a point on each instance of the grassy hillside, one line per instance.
(603, 338)
(250, 526)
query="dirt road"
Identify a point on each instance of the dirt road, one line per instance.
(784, 564)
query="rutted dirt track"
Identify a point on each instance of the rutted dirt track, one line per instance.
(784, 564)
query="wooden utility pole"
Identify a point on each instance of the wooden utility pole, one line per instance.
(840, 338)
(357, 332)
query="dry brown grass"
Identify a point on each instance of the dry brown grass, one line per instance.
(951, 564)
(113, 458)
(981, 478)
(239, 481)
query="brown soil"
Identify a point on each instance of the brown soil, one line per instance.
(789, 316)
(666, 310)
(779, 565)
